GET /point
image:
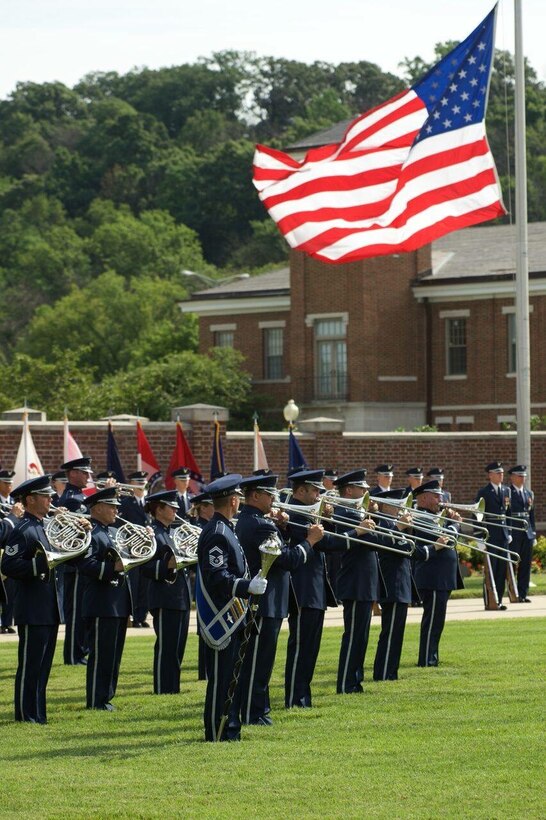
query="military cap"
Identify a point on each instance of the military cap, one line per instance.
(264, 482)
(224, 486)
(60, 475)
(181, 472)
(34, 486)
(7, 475)
(356, 478)
(313, 477)
(202, 498)
(384, 469)
(297, 469)
(168, 497)
(83, 463)
(428, 487)
(330, 472)
(106, 474)
(436, 472)
(415, 471)
(139, 476)
(519, 469)
(384, 495)
(494, 467)
(262, 472)
(107, 496)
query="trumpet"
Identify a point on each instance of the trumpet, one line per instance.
(133, 544)
(123, 489)
(185, 538)
(68, 538)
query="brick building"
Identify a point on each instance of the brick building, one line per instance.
(396, 341)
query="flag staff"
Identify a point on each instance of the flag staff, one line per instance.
(523, 357)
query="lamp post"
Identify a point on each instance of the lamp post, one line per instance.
(291, 412)
(209, 280)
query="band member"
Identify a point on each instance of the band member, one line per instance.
(181, 482)
(256, 522)
(333, 559)
(311, 592)
(36, 610)
(10, 513)
(223, 580)
(522, 513)
(436, 569)
(497, 506)
(76, 646)
(133, 509)
(358, 582)
(399, 585)
(201, 512)
(384, 473)
(169, 596)
(106, 601)
(329, 480)
(58, 482)
(415, 479)
(437, 474)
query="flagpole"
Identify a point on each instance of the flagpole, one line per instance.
(523, 380)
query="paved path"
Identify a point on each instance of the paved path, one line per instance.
(466, 609)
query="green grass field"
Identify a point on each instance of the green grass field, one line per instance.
(473, 586)
(463, 740)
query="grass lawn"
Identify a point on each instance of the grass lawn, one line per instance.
(473, 586)
(464, 740)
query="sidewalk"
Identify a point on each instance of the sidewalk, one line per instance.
(466, 609)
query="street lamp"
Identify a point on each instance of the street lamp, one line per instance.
(208, 280)
(291, 412)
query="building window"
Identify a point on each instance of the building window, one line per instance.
(224, 338)
(273, 353)
(331, 359)
(456, 346)
(511, 332)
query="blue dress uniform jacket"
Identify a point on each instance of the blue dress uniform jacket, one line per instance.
(107, 593)
(522, 512)
(358, 577)
(75, 638)
(73, 499)
(498, 535)
(36, 615)
(168, 589)
(132, 510)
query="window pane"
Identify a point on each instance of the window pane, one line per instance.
(456, 346)
(329, 329)
(224, 338)
(273, 353)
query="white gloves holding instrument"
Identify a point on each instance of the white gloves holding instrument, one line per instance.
(258, 585)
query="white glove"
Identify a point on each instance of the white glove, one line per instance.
(258, 585)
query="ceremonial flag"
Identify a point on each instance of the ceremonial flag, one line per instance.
(183, 457)
(406, 172)
(27, 463)
(145, 457)
(70, 448)
(296, 459)
(217, 466)
(260, 459)
(113, 461)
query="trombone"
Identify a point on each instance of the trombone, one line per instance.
(479, 513)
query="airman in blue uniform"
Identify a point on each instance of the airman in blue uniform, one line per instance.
(497, 507)
(133, 509)
(522, 513)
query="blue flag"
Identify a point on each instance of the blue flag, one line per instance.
(217, 466)
(113, 461)
(296, 459)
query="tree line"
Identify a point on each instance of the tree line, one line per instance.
(110, 188)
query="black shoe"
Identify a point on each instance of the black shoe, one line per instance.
(8, 630)
(144, 624)
(263, 720)
(81, 662)
(502, 607)
(106, 707)
(136, 625)
(524, 600)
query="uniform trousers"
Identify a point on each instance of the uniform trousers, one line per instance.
(524, 547)
(107, 639)
(357, 616)
(257, 669)
(220, 665)
(36, 650)
(75, 636)
(171, 629)
(201, 657)
(305, 632)
(432, 624)
(391, 638)
(7, 608)
(139, 589)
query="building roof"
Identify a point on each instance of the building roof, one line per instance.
(328, 136)
(274, 282)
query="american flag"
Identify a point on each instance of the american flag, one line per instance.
(406, 172)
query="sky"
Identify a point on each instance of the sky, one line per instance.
(47, 40)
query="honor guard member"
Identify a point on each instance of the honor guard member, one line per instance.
(399, 585)
(203, 510)
(106, 601)
(436, 569)
(255, 524)
(415, 479)
(358, 582)
(384, 473)
(169, 596)
(311, 592)
(522, 513)
(76, 646)
(36, 608)
(133, 509)
(497, 503)
(223, 584)
(329, 480)
(58, 482)
(181, 478)
(10, 513)
(437, 474)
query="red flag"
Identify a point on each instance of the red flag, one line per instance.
(183, 457)
(406, 172)
(145, 456)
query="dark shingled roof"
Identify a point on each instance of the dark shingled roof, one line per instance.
(271, 283)
(328, 136)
